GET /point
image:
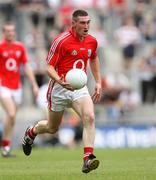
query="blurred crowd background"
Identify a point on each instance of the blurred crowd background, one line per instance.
(126, 33)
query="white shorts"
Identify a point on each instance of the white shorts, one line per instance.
(16, 94)
(59, 98)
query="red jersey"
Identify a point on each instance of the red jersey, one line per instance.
(68, 52)
(11, 57)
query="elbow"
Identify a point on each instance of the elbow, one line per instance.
(48, 70)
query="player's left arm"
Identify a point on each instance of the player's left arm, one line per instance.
(29, 73)
(95, 69)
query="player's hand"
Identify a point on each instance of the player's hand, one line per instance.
(35, 90)
(64, 84)
(96, 97)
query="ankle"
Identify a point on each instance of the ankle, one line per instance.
(87, 152)
(31, 133)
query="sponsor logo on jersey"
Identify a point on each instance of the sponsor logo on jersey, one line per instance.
(11, 65)
(80, 62)
(74, 53)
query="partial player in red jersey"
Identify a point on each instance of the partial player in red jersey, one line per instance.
(12, 56)
(71, 49)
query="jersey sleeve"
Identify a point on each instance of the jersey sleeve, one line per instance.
(55, 53)
(24, 57)
(94, 52)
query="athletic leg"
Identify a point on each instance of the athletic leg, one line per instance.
(11, 109)
(45, 126)
(84, 107)
(51, 125)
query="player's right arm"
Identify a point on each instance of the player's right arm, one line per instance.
(55, 54)
(60, 80)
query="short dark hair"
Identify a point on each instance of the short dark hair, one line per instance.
(79, 12)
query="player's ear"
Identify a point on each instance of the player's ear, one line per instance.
(73, 23)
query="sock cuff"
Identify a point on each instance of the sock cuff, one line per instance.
(87, 152)
(5, 142)
(31, 133)
(88, 149)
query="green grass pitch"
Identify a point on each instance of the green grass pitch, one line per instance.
(65, 164)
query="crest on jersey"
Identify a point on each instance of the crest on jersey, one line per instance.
(74, 53)
(89, 52)
(18, 54)
(5, 54)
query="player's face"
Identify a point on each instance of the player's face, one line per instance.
(81, 25)
(9, 32)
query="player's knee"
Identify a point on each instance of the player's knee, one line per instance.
(12, 116)
(88, 118)
(11, 119)
(52, 130)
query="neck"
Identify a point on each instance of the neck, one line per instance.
(9, 41)
(81, 38)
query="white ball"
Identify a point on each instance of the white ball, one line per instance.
(77, 78)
